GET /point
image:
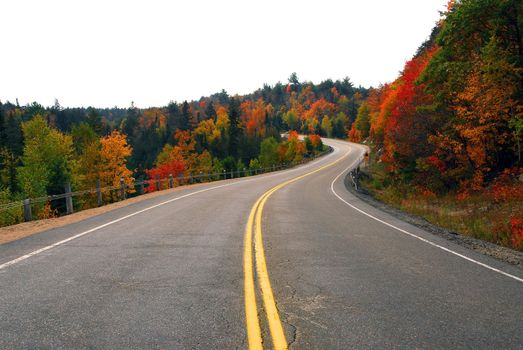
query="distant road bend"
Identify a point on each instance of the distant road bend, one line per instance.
(283, 260)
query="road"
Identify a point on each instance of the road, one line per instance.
(173, 272)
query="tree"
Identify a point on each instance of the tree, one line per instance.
(94, 119)
(408, 126)
(291, 120)
(326, 126)
(234, 127)
(9, 162)
(268, 152)
(83, 135)
(13, 133)
(316, 142)
(87, 149)
(339, 125)
(210, 112)
(185, 116)
(163, 170)
(362, 122)
(484, 111)
(47, 159)
(11, 146)
(476, 80)
(113, 158)
(293, 79)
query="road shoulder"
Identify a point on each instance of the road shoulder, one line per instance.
(504, 254)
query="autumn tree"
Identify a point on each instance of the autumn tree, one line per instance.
(362, 122)
(291, 120)
(476, 79)
(326, 126)
(87, 155)
(46, 161)
(114, 153)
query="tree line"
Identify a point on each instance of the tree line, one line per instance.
(43, 148)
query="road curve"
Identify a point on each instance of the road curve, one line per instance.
(169, 272)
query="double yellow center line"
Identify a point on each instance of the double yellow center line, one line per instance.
(254, 223)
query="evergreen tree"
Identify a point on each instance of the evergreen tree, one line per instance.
(173, 118)
(185, 117)
(293, 79)
(234, 127)
(210, 111)
(269, 152)
(94, 119)
(2, 127)
(131, 122)
(13, 133)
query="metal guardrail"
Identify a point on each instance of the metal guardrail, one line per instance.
(355, 171)
(144, 186)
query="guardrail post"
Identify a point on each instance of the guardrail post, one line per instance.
(171, 181)
(68, 199)
(224, 175)
(99, 192)
(158, 185)
(27, 210)
(122, 187)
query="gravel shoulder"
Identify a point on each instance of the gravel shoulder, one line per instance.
(504, 254)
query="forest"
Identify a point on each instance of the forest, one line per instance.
(448, 130)
(449, 127)
(44, 148)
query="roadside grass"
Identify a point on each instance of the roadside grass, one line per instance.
(477, 215)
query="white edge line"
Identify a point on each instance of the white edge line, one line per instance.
(416, 236)
(38, 251)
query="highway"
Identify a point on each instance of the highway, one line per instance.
(286, 259)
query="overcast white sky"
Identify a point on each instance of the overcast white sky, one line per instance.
(107, 52)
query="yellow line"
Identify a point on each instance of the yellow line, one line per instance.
(273, 318)
(251, 312)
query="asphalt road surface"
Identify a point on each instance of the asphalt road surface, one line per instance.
(181, 271)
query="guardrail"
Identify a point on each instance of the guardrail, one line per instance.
(353, 174)
(121, 192)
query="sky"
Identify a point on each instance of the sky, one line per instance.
(109, 53)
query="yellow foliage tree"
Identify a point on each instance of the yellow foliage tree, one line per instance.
(113, 157)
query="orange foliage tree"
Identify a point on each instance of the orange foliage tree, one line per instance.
(114, 153)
